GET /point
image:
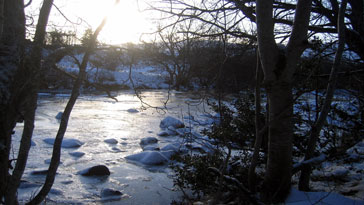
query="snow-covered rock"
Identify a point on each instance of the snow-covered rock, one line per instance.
(357, 149)
(189, 117)
(110, 194)
(55, 191)
(132, 110)
(163, 134)
(99, 170)
(39, 172)
(171, 121)
(111, 141)
(170, 131)
(183, 131)
(25, 184)
(148, 140)
(152, 147)
(76, 154)
(148, 158)
(170, 147)
(115, 149)
(48, 161)
(32, 143)
(66, 143)
(59, 115)
(339, 171)
(168, 154)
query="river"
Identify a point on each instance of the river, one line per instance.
(94, 119)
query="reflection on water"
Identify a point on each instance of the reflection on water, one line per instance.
(94, 119)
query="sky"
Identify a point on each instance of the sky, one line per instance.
(126, 22)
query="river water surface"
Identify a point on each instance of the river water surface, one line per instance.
(94, 119)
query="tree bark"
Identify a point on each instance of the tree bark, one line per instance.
(279, 66)
(304, 181)
(258, 134)
(12, 50)
(30, 87)
(277, 179)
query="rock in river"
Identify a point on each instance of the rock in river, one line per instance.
(107, 193)
(148, 140)
(99, 170)
(66, 143)
(111, 141)
(148, 158)
(171, 121)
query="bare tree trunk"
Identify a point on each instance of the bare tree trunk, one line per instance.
(30, 86)
(1, 17)
(304, 182)
(12, 50)
(258, 135)
(56, 155)
(277, 179)
(279, 67)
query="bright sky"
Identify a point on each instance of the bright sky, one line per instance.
(126, 22)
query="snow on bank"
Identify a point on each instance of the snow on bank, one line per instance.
(297, 197)
(142, 76)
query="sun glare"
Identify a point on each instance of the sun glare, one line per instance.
(125, 22)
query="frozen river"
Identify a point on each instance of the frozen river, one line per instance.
(94, 119)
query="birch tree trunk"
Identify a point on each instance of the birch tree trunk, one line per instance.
(304, 182)
(279, 66)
